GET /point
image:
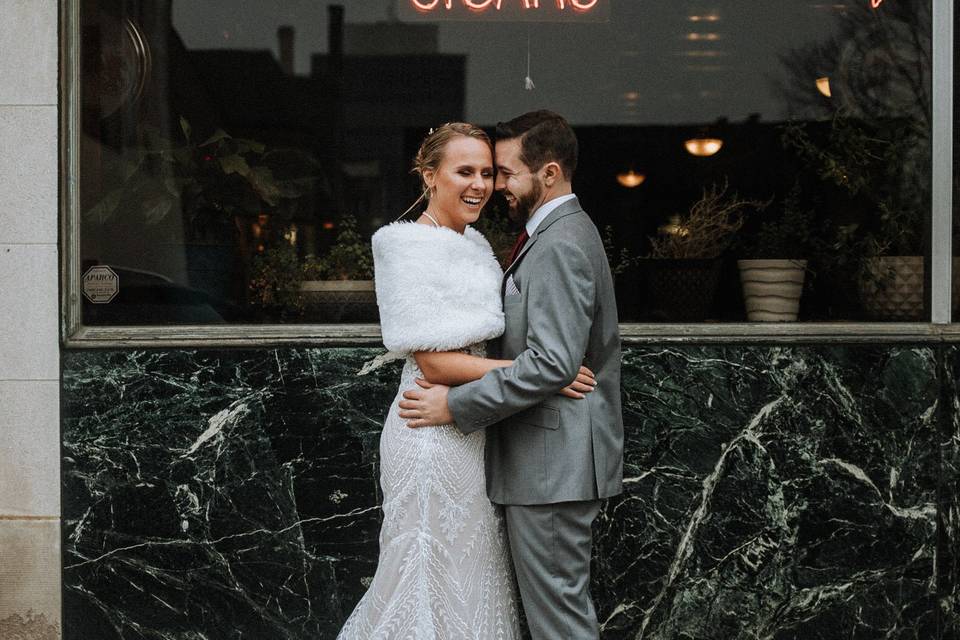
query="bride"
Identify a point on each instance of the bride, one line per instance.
(444, 569)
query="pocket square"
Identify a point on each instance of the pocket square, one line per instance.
(511, 288)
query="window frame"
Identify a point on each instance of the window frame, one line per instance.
(74, 334)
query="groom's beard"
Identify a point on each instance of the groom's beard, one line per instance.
(526, 204)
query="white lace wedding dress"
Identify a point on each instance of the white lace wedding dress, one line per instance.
(444, 570)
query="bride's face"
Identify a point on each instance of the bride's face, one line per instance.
(462, 184)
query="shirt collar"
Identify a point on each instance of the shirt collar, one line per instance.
(546, 209)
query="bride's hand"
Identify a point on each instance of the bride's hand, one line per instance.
(583, 384)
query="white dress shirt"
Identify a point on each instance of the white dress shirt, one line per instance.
(544, 210)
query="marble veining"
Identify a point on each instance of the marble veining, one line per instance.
(771, 492)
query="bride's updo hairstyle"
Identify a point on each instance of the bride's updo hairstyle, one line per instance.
(430, 154)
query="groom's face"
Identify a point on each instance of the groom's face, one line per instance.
(520, 187)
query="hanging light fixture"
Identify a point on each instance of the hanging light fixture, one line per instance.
(823, 86)
(703, 147)
(631, 179)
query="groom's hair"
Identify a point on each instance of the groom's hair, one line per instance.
(545, 137)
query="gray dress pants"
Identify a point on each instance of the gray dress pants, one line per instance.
(551, 546)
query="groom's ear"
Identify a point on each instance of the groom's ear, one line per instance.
(552, 173)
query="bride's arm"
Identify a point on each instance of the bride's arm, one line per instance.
(454, 368)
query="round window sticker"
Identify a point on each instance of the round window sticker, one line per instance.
(100, 284)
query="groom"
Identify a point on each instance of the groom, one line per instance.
(549, 459)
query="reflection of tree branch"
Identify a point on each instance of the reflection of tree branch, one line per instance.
(901, 32)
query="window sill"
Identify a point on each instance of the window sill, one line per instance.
(368, 335)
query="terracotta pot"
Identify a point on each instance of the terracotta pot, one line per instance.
(892, 288)
(340, 300)
(772, 288)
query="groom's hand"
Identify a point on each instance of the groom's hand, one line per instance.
(426, 406)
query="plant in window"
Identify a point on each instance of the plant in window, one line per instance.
(620, 261)
(349, 258)
(707, 229)
(495, 226)
(338, 286)
(881, 169)
(209, 182)
(200, 200)
(624, 267)
(684, 264)
(773, 273)
(274, 286)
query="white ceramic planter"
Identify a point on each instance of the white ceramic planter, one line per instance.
(772, 288)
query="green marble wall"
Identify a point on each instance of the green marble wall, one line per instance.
(771, 492)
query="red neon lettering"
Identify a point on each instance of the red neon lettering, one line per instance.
(474, 5)
(578, 5)
(430, 5)
(876, 3)
(426, 6)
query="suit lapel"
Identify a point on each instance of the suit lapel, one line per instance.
(565, 209)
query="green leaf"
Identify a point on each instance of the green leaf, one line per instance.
(234, 163)
(131, 168)
(217, 136)
(172, 185)
(262, 181)
(245, 145)
(184, 157)
(185, 127)
(156, 210)
(104, 210)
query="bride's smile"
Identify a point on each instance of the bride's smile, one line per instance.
(462, 184)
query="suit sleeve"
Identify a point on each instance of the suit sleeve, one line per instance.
(561, 299)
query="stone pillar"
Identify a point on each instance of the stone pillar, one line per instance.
(29, 344)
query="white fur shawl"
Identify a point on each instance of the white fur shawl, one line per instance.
(437, 290)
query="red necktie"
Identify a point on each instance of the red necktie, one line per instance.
(521, 240)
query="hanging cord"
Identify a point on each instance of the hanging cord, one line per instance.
(528, 81)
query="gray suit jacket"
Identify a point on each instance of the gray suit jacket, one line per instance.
(544, 448)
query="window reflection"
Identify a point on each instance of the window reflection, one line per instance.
(236, 156)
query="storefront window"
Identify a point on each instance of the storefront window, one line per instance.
(744, 161)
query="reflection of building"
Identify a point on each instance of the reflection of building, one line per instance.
(354, 111)
(394, 84)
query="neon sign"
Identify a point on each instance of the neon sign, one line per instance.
(876, 3)
(521, 10)
(483, 5)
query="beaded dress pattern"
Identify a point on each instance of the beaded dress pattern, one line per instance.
(444, 570)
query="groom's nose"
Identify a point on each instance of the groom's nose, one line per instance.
(500, 183)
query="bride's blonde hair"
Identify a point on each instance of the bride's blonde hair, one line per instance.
(430, 154)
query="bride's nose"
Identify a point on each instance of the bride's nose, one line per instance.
(478, 183)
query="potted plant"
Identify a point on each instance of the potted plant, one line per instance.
(274, 287)
(683, 267)
(624, 269)
(494, 224)
(880, 167)
(338, 286)
(197, 199)
(773, 277)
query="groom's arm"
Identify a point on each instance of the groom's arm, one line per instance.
(561, 299)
